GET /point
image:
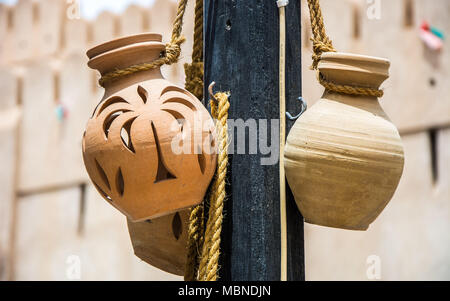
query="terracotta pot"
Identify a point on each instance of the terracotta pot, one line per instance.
(162, 242)
(344, 157)
(148, 146)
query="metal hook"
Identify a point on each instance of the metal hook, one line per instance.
(211, 93)
(303, 109)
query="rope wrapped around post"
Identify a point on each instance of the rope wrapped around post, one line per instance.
(209, 262)
(203, 252)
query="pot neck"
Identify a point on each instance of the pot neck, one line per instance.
(123, 53)
(124, 82)
(365, 103)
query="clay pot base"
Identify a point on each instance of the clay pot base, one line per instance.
(162, 242)
(343, 226)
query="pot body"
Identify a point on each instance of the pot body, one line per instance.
(148, 147)
(343, 159)
(162, 242)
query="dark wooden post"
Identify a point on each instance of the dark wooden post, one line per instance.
(241, 56)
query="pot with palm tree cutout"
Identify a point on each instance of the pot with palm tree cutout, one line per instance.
(148, 147)
(149, 150)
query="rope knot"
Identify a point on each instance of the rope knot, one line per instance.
(173, 50)
(319, 47)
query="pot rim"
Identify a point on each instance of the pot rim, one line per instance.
(354, 69)
(122, 42)
(355, 57)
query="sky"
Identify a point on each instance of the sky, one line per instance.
(91, 8)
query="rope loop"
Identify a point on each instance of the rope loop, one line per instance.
(169, 56)
(321, 44)
(320, 47)
(173, 50)
(347, 89)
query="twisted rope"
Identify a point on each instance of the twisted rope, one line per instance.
(170, 55)
(194, 84)
(347, 89)
(194, 71)
(195, 242)
(209, 263)
(321, 44)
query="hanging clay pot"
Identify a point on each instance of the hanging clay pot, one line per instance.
(148, 145)
(344, 157)
(162, 242)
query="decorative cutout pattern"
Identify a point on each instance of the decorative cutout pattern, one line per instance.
(109, 102)
(134, 128)
(181, 101)
(109, 121)
(106, 196)
(177, 226)
(142, 93)
(120, 185)
(102, 174)
(126, 135)
(201, 161)
(163, 173)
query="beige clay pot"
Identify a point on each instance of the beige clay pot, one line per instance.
(162, 242)
(128, 146)
(344, 157)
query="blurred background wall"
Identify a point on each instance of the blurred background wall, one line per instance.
(54, 226)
